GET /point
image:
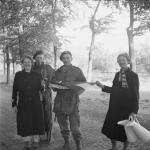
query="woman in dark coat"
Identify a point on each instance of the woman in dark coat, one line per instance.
(124, 101)
(27, 103)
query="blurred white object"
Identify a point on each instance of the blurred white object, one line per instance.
(131, 136)
(142, 133)
(57, 86)
(86, 85)
(135, 131)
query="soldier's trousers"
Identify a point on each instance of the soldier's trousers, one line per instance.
(69, 123)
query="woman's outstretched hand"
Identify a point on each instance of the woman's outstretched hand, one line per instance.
(92, 83)
(98, 83)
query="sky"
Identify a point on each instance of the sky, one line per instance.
(114, 42)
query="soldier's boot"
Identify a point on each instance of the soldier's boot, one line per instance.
(77, 139)
(78, 144)
(66, 145)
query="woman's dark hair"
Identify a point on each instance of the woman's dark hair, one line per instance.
(65, 52)
(27, 57)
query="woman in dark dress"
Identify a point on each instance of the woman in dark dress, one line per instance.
(124, 101)
(27, 104)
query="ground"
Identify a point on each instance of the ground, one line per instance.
(93, 108)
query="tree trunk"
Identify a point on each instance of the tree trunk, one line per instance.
(55, 57)
(13, 67)
(131, 37)
(20, 46)
(90, 60)
(8, 65)
(92, 27)
(4, 63)
(54, 32)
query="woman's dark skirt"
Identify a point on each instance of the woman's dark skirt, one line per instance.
(119, 109)
(30, 119)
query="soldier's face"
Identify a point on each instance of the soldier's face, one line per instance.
(66, 59)
(39, 59)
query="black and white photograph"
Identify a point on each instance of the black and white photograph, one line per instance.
(74, 74)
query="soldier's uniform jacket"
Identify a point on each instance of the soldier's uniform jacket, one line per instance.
(67, 101)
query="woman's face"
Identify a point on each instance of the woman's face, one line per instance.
(123, 62)
(27, 63)
(66, 59)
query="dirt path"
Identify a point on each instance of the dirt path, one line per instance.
(93, 108)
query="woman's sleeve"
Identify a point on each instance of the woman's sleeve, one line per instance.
(108, 89)
(135, 105)
(14, 91)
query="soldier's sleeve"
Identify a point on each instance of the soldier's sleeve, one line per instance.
(81, 77)
(53, 80)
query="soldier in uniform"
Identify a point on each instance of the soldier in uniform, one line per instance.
(67, 101)
(47, 73)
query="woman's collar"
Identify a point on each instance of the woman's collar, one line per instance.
(26, 71)
(125, 69)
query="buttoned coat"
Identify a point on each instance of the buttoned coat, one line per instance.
(66, 101)
(26, 96)
(123, 102)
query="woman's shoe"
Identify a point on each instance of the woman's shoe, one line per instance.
(113, 149)
(26, 148)
(35, 145)
(66, 146)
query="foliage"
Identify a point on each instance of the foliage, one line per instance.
(143, 57)
(29, 24)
